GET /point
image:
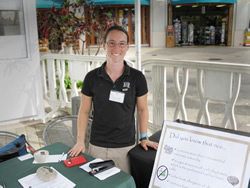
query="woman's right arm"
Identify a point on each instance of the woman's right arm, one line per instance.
(82, 124)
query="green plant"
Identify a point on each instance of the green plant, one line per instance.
(56, 24)
(67, 82)
(79, 84)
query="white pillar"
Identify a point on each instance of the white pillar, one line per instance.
(138, 48)
(138, 33)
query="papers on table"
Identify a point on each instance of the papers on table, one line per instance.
(33, 181)
(54, 158)
(101, 175)
(25, 157)
(51, 158)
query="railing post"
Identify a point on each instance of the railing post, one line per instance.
(52, 82)
(159, 84)
(180, 92)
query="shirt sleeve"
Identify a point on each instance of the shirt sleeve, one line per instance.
(86, 88)
(141, 85)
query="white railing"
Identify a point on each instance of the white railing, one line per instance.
(214, 82)
(56, 68)
(169, 82)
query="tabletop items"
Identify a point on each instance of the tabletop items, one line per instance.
(41, 156)
(99, 167)
(75, 161)
(46, 177)
(25, 172)
(46, 173)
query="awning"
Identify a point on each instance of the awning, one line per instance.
(119, 2)
(175, 2)
(49, 3)
(58, 3)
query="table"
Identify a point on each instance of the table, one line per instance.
(142, 162)
(14, 169)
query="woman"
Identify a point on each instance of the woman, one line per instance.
(115, 89)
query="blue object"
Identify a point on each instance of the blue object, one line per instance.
(119, 2)
(143, 135)
(58, 3)
(175, 2)
(15, 145)
(49, 3)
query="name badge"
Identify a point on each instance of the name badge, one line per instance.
(116, 96)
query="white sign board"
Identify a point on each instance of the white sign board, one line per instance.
(195, 157)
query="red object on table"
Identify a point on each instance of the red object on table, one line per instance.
(75, 161)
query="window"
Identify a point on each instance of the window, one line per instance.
(12, 30)
(10, 23)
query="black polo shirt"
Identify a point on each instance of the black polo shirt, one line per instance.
(114, 122)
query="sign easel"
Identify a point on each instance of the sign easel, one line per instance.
(196, 157)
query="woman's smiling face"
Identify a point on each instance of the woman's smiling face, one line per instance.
(116, 46)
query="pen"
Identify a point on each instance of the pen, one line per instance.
(62, 156)
(31, 149)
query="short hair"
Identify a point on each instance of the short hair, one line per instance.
(118, 28)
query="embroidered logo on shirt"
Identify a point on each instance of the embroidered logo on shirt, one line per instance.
(126, 84)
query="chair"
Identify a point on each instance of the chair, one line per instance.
(13, 145)
(60, 130)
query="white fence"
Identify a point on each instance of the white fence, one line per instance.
(212, 83)
(169, 81)
(56, 69)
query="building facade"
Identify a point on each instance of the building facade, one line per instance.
(195, 22)
(123, 13)
(209, 22)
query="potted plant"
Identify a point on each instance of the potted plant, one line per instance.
(63, 27)
(50, 28)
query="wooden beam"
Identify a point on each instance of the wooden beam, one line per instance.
(230, 25)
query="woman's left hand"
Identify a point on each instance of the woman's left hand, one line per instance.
(147, 143)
